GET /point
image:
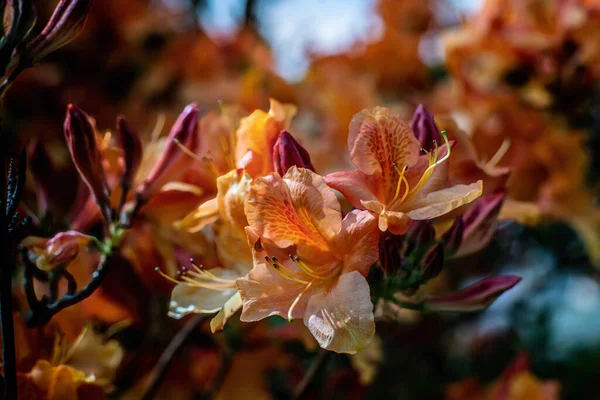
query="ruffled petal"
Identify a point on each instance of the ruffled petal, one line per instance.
(378, 140)
(443, 201)
(359, 239)
(342, 319)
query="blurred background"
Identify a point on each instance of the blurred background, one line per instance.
(527, 70)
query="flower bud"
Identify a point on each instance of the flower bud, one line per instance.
(453, 237)
(433, 262)
(131, 144)
(419, 236)
(183, 133)
(480, 223)
(65, 23)
(81, 140)
(58, 250)
(424, 127)
(287, 152)
(390, 253)
(472, 298)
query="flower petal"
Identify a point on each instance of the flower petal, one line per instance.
(359, 239)
(376, 141)
(187, 299)
(231, 306)
(342, 319)
(204, 215)
(265, 293)
(307, 214)
(354, 185)
(443, 201)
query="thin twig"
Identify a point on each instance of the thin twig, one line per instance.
(319, 362)
(159, 371)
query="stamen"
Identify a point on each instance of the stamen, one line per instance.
(282, 272)
(307, 270)
(297, 300)
(187, 151)
(499, 154)
(433, 164)
(400, 180)
(167, 277)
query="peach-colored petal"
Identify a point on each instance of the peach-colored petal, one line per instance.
(314, 201)
(273, 214)
(376, 141)
(231, 306)
(204, 215)
(265, 293)
(342, 319)
(187, 298)
(443, 201)
(395, 222)
(359, 239)
(233, 191)
(354, 185)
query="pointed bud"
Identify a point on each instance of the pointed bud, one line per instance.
(390, 253)
(81, 140)
(287, 152)
(131, 144)
(480, 223)
(184, 133)
(65, 23)
(59, 250)
(425, 130)
(473, 298)
(433, 262)
(453, 237)
(419, 236)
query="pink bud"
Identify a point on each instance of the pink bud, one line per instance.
(131, 144)
(81, 140)
(183, 131)
(424, 127)
(452, 239)
(58, 250)
(65, 23)
(433, 262)
(472, 298)
(287, 152)
(480, 223)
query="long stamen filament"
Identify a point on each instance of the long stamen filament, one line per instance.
(499, 154)
(400, 180)
(186, 150)
(278, 267)
(297, 300)
(433, 164)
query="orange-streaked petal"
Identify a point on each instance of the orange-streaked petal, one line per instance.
(354, 185)
(274, 214)
(443, 201)
(376, 141)
(341, 319)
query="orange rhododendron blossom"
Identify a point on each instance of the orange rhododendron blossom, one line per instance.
(393, 180)
(309, 262)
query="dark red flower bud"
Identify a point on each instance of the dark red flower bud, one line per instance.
(424, 127)
(420, 235)
(452, 239)
(81, 140)
(65, 23)
(58, 250)
(433, 262)
(390, 253)
(287, 152)
(131, 144)
(184, 133)
(473, 298)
